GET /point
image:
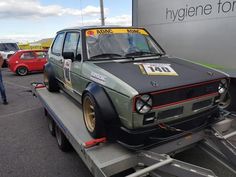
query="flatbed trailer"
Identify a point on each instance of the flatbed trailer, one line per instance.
(107, 159)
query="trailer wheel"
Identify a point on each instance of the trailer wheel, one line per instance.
(62, 141)
(92, 117)
(50, 82)
(51, 126)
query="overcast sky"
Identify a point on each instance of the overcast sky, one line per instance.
(30, 20)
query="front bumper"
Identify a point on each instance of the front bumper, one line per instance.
(145, 138)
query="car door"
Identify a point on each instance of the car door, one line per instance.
(41, 58)
(56, 58)
(72, 66)
(28, 58)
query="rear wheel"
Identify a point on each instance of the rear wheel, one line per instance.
(62, 141)
(22, 71)
(51, 123)
(92, 117)
(50, 82)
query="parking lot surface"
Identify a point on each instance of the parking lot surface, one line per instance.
(26, 147)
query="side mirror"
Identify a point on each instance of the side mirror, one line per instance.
(68, 55)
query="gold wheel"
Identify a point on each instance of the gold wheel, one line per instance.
(89, 114)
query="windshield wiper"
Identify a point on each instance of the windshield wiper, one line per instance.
(142, 53)
(106, 55)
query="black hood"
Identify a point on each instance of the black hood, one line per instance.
(188, 73)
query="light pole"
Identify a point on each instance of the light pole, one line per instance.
(102, 13)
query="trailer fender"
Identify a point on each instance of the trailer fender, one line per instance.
(104, 103)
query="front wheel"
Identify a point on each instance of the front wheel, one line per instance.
(92, 117)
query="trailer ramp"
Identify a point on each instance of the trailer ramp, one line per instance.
(222, 138)
(156, 164)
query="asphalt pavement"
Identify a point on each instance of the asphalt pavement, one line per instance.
(26, 147)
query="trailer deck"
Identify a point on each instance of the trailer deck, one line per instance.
(108, 159)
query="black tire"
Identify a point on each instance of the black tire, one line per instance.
(62, 141)
(21, 71)
(50, 82)
(51, 125)
(92, 117)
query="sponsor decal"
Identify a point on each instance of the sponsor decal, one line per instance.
(157, 69)
(90, 33)
(67, 76)
(98, 78)
(196, 10)
(104, 31)
(95, 32)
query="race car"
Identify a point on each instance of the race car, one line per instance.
(130, 90)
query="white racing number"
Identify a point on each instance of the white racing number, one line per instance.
(67, 68)
(157, 69)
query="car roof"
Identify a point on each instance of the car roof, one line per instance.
(92, 27)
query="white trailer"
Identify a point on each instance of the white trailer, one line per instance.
(105, 159)
(199, 30)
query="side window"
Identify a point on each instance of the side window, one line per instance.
(41, 54)
(58, 43)
(71, 42)
(27, 56)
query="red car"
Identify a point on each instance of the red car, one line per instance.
(25, 61)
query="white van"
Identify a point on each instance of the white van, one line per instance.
(7, 49)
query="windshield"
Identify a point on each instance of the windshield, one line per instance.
(8, 47)
(120, 43)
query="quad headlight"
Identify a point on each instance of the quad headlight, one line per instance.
(223, 86)
(144, 104)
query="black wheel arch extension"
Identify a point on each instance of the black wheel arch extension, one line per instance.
(104, 103)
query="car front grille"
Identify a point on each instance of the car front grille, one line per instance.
(183, 94)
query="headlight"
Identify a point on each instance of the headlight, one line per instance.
(223, 86)
(144, 104)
